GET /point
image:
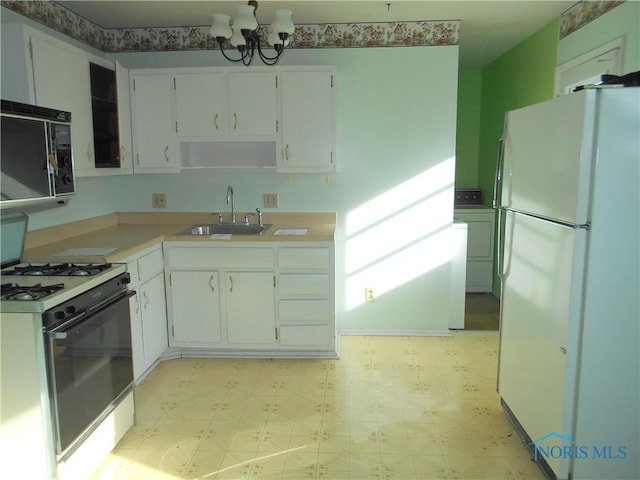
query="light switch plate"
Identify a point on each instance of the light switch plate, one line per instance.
(270, 200)
(159, 200)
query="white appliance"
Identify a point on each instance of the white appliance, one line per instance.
(569, 365)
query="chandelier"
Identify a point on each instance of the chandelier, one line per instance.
(243, 33)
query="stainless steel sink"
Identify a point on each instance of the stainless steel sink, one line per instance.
(225, 228)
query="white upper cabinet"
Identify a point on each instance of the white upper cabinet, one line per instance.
(222, 106)
(200, 105)
(252, 104)
(282, 118)
(154, 145)
(308, 121)
(63, 79)
(124, 119)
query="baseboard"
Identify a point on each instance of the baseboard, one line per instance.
(393, 333)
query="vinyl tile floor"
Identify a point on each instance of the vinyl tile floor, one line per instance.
(410, 408)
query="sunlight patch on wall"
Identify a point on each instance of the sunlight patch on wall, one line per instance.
(401, 234)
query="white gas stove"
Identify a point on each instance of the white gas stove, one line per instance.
(67, 332)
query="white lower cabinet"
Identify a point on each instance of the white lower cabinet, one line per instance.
(480, 238)
(196, 295)
(148, 309)
(258, 298)
(306, 307)
(251, 318)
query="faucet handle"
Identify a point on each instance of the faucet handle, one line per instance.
(220, 217)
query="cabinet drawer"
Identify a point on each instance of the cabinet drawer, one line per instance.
(306, 335)
(231, 257)
(150, 264)
(304, 311)
(303, 257)
(303, 284)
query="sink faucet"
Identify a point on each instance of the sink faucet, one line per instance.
(230, 200)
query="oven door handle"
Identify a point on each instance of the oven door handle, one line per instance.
(60, 329)
(109, 301)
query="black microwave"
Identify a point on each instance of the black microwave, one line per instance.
(36, 162)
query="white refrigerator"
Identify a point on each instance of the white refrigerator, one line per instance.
(569, 214)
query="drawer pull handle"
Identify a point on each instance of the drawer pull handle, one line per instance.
(211, 283)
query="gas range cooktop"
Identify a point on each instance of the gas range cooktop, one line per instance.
(31, 287)
(58, 269)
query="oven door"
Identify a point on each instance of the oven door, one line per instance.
(89, 368)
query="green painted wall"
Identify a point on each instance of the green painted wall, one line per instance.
(468, 127)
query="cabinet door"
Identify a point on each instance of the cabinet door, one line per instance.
(62, 81)
(154, 139)
(200, 105)
(195, 310)
(154, 319)
(252, 104)
(308, 122)
(124, 119)
(250, 307)
(137, 342)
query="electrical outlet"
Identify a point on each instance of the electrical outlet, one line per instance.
(270, 200)
(159, 200)
(369, 295)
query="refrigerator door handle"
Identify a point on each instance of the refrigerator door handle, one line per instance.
(501, 214)
(498, 177)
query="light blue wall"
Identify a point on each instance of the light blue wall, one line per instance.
(396, 121)
(622, 21)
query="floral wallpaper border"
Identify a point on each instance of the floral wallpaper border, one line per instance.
(584, 12)
(396, 34)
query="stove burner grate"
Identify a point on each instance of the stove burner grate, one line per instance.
(59, 269)
(13, 291)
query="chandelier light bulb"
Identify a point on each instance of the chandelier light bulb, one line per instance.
(245, 18)
(220, 26)
(283, 23)
(237, 39)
